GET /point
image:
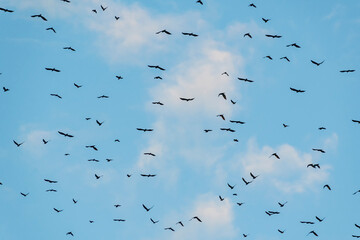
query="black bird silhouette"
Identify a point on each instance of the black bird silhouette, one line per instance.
(5, 89)
(221, 198)
(269, 57)
(144, 129)
(239, 203)
(55, 95)
(117, 18)
(233, 102)
(222, 116)
(282, 204)
(146, 208)
(92, 146)
(313, 232)
(65, 134)
(273, 36)
(58, 210)
(156, 66)
(246, 182)
(158, 77)
(196, 217)
(119, 77)
(87, 118)
(97, 176)
(6, 10)
(149, 153)
(358, 226)
(94, 10)
(275, 155)
(187, 99)
(356, 192)
(70, 233)
(245, 235)
(39, 16)
(245, 79)
(317, 63)
(190, 34)
(17, 144)
(169, 228)
(74, 201)
(297, 90)
(179, 222)
(223, 95)
(253, 176)
(313, 165)
(285, 125)
(319, 219)
(207, 130)
(356, 121)
(117, 205)
(238, 122)
(318, 150)
(327, 186)
(119, 220)
(44, 141)
(247, 35)
(322, 128)
(51, 190)
(24, 194)
(158, 103)
(148, 175)
(109, 159)
(306, 222)
(99, 123)
(164, 31)
(265, 19)
(50, 181)
(347, 71)
(52, 29)
(200, 2)
(281, 231)
(293, 45)
(77, 86)
(67, 1)
(252, 5)
(53, 69)
(103, 96)
(153, 221)
(103, 8)
(231, 187)
(93, 160)
(227, 129)
(355, 236)
(286, 58)
(225, 73)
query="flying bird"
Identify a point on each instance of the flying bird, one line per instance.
(247, 35)
(149, 153)
(74, 201)
(347, 71)
(233, 102)
(293, 45)
(39, 16)
(117, 18)
(144, 129)
(196, 217)
(24, 194)
(245, 79)
(322, 128)
(207, 130)
(252, 5)
(318, 150)
(97, 176)
(52, 29)
(119, 220)
(103, 96)
(169, 228)
(50, 181)
(221, 198)
(99, 123)
(56, 95)
(58, 210)
(285, 125)
(158, 77)
(119, 77)
(282, 204)
(356, 192)
(316, 165)
(281, 231)
(70, 233)
(65, 134)
(356, 121)
(222, 116)
(5, 89)
(223, 95)
(200, 2)
(92, 146)
(327, 186)
(158, 103)
(227, 129)
(53, 69)
(265, 19)
(77, 86)
(225, 73)
(317, 63)
(275, 155)
(153, 221)
(297, 90)
(307, 222)
(286, 58)
(313, 232)
(238, 122)
(164, 31)
(103, 8)
(231, 187)
(246, 182)
(157, 67)
(179, 222)
(319, 219)
(190, 34)
(17, 144)
(187, 99)
(6, 10)
(253, 176)
(272, 36)
(146, 208)
(269, 57)
(148, 175)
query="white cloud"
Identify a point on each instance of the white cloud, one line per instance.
(289, 173)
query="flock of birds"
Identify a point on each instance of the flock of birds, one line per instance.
(253, 176)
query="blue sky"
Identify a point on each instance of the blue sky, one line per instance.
(192, 167)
